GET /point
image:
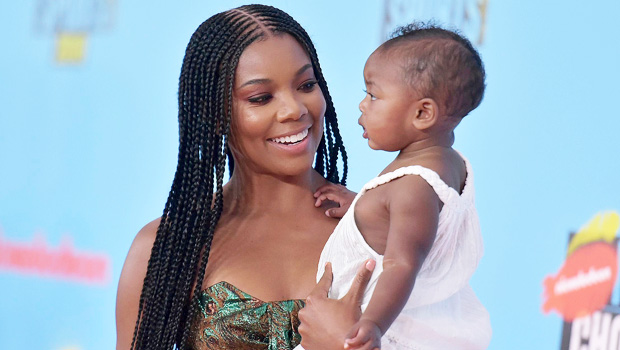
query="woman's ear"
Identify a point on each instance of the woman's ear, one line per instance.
(425, 113)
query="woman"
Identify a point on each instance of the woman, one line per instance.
(231, 269)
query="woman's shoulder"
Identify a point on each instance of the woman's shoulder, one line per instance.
(139, 253)
(143, 243)
(130, 283)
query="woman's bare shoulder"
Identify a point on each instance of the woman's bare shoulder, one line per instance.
(130, 283)
(137, 259)
(143, 243)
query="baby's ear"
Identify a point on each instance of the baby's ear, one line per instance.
(425, 113)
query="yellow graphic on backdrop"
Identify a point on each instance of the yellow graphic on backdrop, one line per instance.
(71, 22)
(483, 5)
(602, 227)
(70, 47)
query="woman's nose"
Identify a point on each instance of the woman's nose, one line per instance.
(292, 107)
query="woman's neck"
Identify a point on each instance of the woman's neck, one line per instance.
(249, 192)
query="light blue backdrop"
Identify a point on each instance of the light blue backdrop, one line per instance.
(88, 151)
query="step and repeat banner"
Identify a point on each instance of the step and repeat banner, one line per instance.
(88, 142)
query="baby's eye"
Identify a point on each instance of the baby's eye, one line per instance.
(308, 86)
(372, 97)
(260, 99)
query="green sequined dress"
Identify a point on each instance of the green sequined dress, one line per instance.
(229, 318)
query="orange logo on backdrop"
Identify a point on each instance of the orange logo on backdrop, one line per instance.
(63, 262)
(586, 280)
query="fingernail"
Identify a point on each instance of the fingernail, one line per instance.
(370, 265)
(327, 213)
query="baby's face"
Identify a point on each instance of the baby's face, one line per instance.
(388, 106)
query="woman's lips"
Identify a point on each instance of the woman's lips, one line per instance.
(290, 139)
(292, 144)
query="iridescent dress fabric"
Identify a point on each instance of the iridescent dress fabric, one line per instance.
(229, 318)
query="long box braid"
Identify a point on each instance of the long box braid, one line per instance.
(181, 248)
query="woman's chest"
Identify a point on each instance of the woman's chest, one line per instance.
(272, 260)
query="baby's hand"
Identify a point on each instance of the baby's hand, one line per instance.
(335, 193)
(365, 335)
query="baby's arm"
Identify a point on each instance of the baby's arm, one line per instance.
(413, 209)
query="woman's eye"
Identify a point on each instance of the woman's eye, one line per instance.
(308, 86)
(260, 98)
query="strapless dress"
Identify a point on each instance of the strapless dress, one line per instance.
(229, 318)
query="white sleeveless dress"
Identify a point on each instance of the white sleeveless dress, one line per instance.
(442, 312)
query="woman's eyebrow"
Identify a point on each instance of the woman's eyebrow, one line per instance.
(303, 69)
(255, 81)
(299, 72)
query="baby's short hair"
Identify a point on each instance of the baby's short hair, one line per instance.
(440, 64)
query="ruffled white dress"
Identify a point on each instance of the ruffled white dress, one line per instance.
(442, 312)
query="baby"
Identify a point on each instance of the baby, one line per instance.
(417, 219)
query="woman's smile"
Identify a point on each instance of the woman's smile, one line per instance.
(292, 143)
(291, 139)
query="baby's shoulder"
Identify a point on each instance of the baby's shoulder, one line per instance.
(403, 188)
(446, 163)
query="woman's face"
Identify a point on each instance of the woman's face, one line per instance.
(278, 108)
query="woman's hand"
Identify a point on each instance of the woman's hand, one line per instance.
(325, 322)
(335, 193)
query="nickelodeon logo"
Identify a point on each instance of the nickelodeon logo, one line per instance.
(581, 291)
(63, 262)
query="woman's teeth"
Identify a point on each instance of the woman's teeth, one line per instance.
(291, 139)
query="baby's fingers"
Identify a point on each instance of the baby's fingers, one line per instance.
(356, 338)
(336, 212)
(370, 344)
(334, 197)
(365, 346)
(330, 187)
(319, 199)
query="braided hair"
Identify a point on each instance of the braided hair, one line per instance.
(181, 248)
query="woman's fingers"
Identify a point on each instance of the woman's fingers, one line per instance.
(325, 283)
(356, 292)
